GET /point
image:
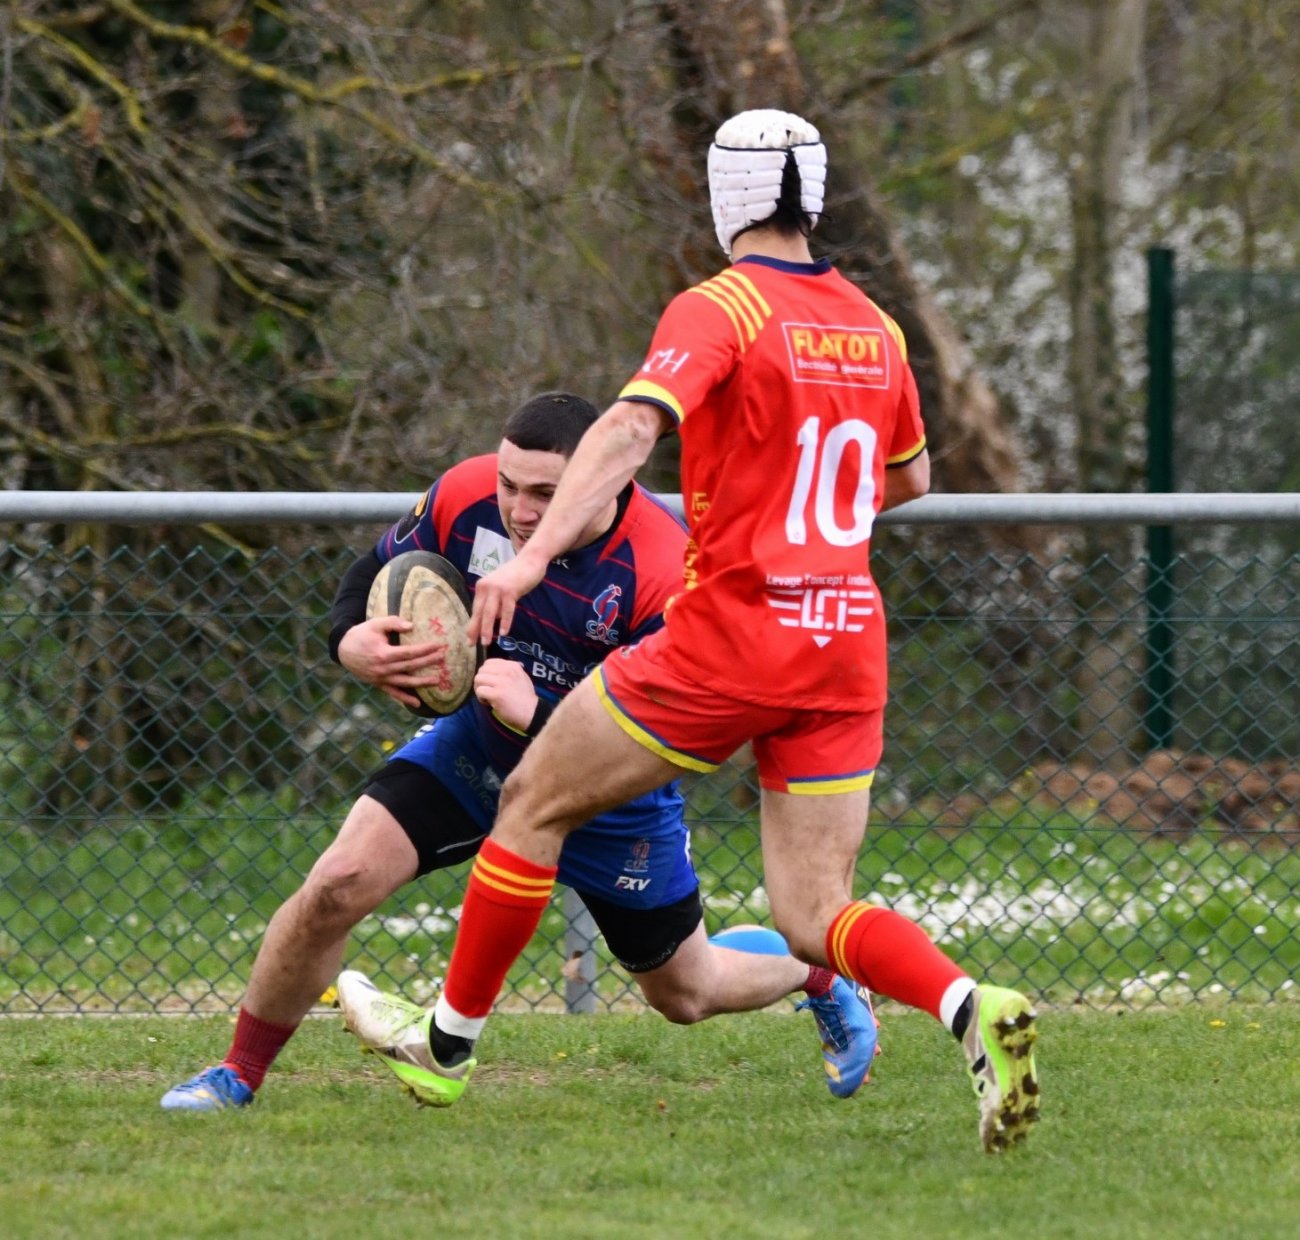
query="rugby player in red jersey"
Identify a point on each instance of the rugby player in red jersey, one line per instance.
(799, 422)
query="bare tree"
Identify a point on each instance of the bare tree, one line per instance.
(1104, 102)
(742, 55)
(263, 246)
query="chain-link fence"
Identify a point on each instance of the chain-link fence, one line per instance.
(176, 749)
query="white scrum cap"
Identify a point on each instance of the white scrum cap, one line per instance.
(747, 161)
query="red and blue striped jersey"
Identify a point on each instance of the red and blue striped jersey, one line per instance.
(594, 599)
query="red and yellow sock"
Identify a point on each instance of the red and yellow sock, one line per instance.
(504, 902)
(891, 956)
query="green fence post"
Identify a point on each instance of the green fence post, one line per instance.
(1160, 479)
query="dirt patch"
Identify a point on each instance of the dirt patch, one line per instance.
(1168, 793)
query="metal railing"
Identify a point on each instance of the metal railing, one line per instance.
(176, 748)
(343, 508)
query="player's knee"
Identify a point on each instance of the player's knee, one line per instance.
(513, 797)
(526, 805)
(336, 894)
(520, 806)
(680, 1007)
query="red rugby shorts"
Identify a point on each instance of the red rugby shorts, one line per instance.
(693, 726)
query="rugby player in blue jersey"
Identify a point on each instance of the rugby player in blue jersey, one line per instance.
(433, 803)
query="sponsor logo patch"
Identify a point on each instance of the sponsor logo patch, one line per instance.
(842, 356)
(490, 551)
(670, 360)
(636, 865)
(483, 782)
(543, 665)
(824, 605)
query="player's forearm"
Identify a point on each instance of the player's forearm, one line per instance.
(605, 461)
(907, 482)
(349, 607)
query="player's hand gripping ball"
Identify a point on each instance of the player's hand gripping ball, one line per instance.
(429, 592)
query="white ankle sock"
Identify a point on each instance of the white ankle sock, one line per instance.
(952, 1000)
(451, 1021)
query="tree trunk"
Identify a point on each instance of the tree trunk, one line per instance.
(217, 115)
(1107, 679)
(739, 55)
(90, 757)
(1105, 109)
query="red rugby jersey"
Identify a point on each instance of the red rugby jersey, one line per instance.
(792, 394)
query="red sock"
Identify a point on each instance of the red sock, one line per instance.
(890, 955)
(819, 981)
(504, 902)
(254, 1047)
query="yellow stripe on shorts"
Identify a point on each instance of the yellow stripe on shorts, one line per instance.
(825, 787)
(647, 739)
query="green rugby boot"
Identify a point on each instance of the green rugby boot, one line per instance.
(999, 1046)
(397, 1031)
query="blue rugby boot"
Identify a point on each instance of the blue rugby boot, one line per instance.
(848, 1030)
(753, 940)
(846, 1023)
(214, 1089)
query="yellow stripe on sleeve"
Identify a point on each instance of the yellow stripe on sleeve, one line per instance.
(745, 330)
(732, 276)
(644, 389)
(903, 457)
(510, 727)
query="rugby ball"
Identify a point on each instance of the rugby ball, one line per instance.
(429, 591)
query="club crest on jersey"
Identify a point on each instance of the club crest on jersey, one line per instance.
(605, 605)
(842, 356)
(636, 869)
(490, 551)
(638, 860)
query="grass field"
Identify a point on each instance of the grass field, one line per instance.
(1183, 1123)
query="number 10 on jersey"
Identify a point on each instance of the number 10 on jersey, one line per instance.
(821, 460)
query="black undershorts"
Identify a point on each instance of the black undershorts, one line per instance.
(443, 834)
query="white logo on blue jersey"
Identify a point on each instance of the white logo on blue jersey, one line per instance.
(490, 551)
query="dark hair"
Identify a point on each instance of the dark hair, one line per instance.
(550, 422)
(789, 219)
